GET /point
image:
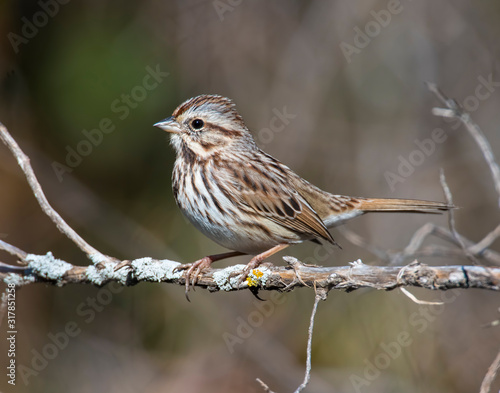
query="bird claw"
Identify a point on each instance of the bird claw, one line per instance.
(243, 275)
(193, 270)
(183, 266)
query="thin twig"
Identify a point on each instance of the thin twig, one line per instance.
(487, 254)
(6, 268)
(13, 250)
(490, 375)
(24, 162)
(359, 241)
(455, 111)
(413, 249)
(264, 386)
(436, 250)
(416, 300)
(415, 243)
(451, 219)
(485, 242)
(320, 295)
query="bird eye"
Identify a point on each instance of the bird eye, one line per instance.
(197, 124)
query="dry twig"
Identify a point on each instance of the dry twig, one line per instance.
(451, 219)
(320, 295)
(24, 162)
(453, 110)
(490, 375)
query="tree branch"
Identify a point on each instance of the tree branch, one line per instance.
(47, 269)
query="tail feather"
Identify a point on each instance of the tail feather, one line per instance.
(336, 209)
(403, 205)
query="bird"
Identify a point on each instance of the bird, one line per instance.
(246, 200)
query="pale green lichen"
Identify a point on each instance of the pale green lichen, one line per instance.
(356, 263)
(47, 266)
(456, 277)
(148, 269)
(18, 280)
(98, 258)
(222, 279)
(106, 272)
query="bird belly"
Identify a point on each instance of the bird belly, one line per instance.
(246, 237)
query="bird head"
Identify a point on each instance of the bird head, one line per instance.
(206, 125)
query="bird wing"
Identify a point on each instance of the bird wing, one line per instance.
(265, 190)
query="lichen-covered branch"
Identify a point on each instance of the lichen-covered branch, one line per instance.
(47, 269)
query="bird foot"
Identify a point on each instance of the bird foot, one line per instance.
(256, 261)
(253, 264)
(193, 270)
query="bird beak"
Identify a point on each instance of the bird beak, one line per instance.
(169, 124)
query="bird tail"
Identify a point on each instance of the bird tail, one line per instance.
(403, 205)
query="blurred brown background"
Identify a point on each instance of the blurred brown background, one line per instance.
(359, 103)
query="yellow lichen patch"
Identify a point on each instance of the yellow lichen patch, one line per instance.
(253, 278)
